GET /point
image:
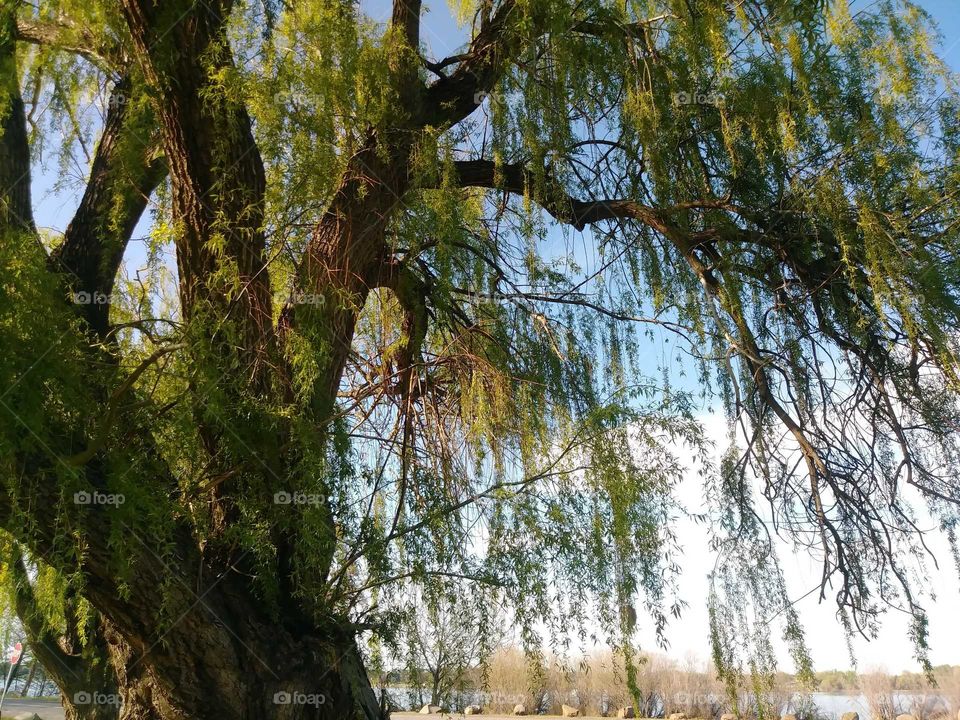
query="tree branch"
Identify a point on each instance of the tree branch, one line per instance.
(518, 179)
(216, 172)
(452, 98)
(127, 168)
(63, 34)
(16, 212)
(66, 669)
(500, 39)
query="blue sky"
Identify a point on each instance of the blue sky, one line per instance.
(54, 207)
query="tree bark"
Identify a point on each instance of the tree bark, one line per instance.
(16, 211)
(214, 650)
(217, 174)
(207, 669)
(115, 197)
(29, 681)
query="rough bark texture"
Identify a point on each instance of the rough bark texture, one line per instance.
(213, 650)
(215, 166)
(16, 212)
(218, 653)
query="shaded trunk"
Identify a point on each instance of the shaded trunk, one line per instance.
(16, 212)
(76, 670)
(244, 668)
(189, 636)
(29, 681)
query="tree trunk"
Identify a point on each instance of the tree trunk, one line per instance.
(211, 648)
(29, 681)
(265, 673)
(16, 211)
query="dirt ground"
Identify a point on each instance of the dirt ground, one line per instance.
(457, 716)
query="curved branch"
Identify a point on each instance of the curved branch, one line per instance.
(518, 179)
(64, 668)
(127, 168)
(501, 39)
(113, 405)
(452, 98)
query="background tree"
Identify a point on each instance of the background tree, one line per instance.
(413, 300)
(449, 639)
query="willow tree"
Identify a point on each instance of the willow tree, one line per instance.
(416, 300)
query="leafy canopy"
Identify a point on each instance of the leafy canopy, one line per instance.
(769, 187)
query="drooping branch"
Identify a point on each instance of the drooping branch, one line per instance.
(600, 26)
(518, 179)
(835, 498)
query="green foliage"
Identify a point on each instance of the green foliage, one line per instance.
(499, 418)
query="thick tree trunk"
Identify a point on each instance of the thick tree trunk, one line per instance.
(266, 673)
(190, 637)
